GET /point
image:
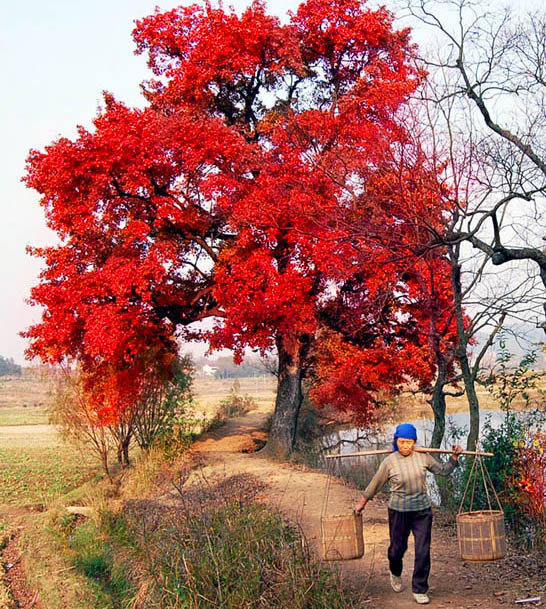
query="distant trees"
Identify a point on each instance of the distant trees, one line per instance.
(224, 367)
(9, 367)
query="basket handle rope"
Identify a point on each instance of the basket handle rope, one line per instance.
(487, 482)
(327, 489)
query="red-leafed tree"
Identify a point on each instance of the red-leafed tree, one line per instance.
(398, 324)
(229, 196)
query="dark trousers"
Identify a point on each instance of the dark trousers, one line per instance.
(400, 525)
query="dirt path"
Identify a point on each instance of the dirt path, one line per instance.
(299, 493)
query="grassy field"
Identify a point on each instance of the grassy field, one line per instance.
(30, 390)
(210, 392)
(36, 466)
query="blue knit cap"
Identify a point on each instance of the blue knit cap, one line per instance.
(404, 430)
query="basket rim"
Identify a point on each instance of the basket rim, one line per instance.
(351, 515)
(481, 513)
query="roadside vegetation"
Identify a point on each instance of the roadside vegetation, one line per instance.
(212, 545)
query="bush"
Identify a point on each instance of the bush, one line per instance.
(234, 405)
(517, 468)
(216, 546)
(161, 417)
(529, 475)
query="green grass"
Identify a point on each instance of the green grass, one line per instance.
(23, 416)
(35, 470)
(51, 565)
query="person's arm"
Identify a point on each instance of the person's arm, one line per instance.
(437, 467)
(375, 485)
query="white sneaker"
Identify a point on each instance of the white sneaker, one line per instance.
(421, 599)
(396, 583)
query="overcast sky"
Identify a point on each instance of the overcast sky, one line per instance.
(56, 57)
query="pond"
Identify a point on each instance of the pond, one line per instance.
(353, 439)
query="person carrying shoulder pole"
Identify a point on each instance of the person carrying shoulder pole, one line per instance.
(409, 506)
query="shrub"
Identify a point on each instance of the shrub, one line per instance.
(162, 413)
(233, 405)
(515, 470)
(529, 480)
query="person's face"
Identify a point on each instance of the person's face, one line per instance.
(405, 446)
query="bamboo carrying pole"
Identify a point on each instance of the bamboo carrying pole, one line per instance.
(443, 451)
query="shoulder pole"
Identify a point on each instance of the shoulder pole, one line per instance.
(443, 451)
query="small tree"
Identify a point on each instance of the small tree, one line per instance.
(78, 422)
(160, 408)
(163, 407)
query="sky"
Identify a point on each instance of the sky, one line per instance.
(56, 58)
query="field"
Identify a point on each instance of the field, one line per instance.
(36, 466)
(23, 399)
(210, 392)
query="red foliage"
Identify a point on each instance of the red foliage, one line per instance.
(530, 476)
(269, 182)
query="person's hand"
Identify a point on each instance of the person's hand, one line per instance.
(457, 450)
(360, 506)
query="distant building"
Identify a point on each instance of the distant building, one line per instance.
(209, 371)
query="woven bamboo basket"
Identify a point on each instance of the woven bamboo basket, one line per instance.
(342, 537)
(481, 535)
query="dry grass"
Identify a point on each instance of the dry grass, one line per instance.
(30, 390)
(210, 392)
(23, 399)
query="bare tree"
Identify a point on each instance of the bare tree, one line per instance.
(493, 67)
(483, 297)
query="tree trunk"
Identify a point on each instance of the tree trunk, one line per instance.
(123, 436)
(282, 435)
(438, 404)
(462, 346)
(105, 466)
(125, 451)
(473, 404)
